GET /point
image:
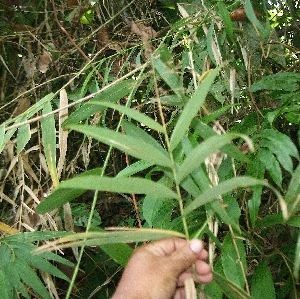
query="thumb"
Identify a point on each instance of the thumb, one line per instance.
(184, 257)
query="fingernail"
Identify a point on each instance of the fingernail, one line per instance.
(196, 246)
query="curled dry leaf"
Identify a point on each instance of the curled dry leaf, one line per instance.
(145, 32)
(22, 106)
(102, 38)
(44, 61)
(240, 14)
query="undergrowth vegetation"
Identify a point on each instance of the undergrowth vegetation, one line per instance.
(126, 122)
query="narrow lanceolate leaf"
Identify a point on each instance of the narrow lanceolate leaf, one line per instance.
(252, 16)
(297, 259)
(234, 260)
(201, 152)
(224, 187)
(111, 94)
(31, 279)
(2, 133)
(133, 146)
(262, 285)
(230, 289)
(66, 190)
(134, 114)
(192, 107)
(49, 142)
(294, 187)
(23, 137)
(169, 76)
(267, 158)
(5, 286)
(281, 140)
(134, 168)
(224, 14)
(122, 235)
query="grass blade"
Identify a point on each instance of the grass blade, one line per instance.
(192, 107)
(140, 117)
(224, 187)
(138, 148)
(96, 182)
(201, 152)
(23, 137)
(122, 235)
(112, 94)
(169, 76)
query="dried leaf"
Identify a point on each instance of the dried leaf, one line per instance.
(145, 32)
(44, 61)
(22, 106)
(7, 229)
(62, 134)
(240, 14)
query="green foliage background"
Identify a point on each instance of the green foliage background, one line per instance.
(161, 119)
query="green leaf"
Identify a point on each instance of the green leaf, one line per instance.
(134, 168)
(229, 211)
(216, 114)
(192, 107)
(138, 148)
(5, 287)
(278, 82)
(252, 16)
(140, 117)
(224, 187)
(206, 131)
(232, 290)
(93, 182)
(297, 259)
(2, 134)
(255, 169)
(122, 235)
(294, 186)
(233, 262)
(29, 237)
(271, 164)
(120, 253)
(23, 137)
(282, 155)
(111, 94)
(277, 219)
(49, 141)
(39, 262)
(210, 41)
(283, 141)
(169, 76)
(262, 285)
(140, 135)
(224, 14)
(13, 276)
(31, 279)
(201, 152)
(6, 138)
(199, 175)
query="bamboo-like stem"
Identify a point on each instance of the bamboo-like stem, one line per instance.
(174, 172)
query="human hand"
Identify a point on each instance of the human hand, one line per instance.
(158, 270)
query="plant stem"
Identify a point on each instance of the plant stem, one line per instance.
(174, 172)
